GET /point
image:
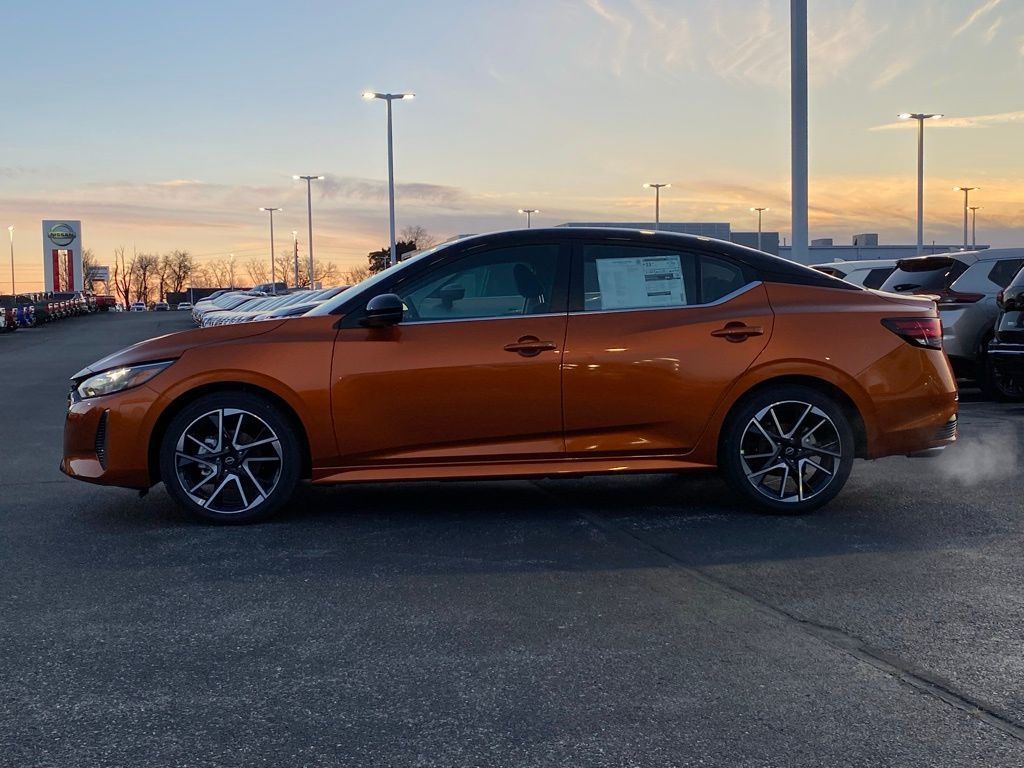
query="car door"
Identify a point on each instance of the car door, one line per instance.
(472, 373)
(654, 339)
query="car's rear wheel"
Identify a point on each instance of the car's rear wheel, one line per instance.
(231, 457)
(788, 449)
(999, 384)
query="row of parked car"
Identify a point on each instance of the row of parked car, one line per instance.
(980, 297)
(229, 307)
(27, 310)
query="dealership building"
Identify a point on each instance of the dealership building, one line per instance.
(821, 251)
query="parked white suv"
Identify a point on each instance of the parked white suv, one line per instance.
(964, 284)
(868, 273)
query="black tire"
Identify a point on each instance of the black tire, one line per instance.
(245, 463)
(761, 463)
(999, 385)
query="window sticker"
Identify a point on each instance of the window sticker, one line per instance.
(653, 281)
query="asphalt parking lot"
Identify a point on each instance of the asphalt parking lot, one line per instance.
(640, 621)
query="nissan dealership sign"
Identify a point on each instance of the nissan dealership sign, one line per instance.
(62, 255)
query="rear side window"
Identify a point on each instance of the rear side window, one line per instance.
(623, 276)
(1003, 272)
(920, 275)
(988, 277)
(877, 277)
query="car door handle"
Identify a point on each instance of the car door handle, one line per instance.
(530, 346)
(738, 331)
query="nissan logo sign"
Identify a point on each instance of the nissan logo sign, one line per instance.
(62, 235)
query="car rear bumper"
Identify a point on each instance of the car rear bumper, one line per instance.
(1008, 357)
(915, 401)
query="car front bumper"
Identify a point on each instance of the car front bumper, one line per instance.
(106, 439)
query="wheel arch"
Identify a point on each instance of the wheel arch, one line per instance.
(825, 387)
(191, 395)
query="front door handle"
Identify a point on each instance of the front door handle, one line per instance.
(530, 346)
(736, 331)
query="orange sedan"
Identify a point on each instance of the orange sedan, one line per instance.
(524, 354)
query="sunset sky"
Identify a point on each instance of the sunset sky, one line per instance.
(166, 126)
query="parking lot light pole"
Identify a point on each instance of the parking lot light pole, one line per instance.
(231, 266)
(759, 212)
(10, 231)
(974, 225)
(389, 97)
(920, 117)
(529, 212)
(966, 191)
(273, 268)
(309, 214)
(295, 254)
(657, 201)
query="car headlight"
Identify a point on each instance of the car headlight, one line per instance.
(118, 379)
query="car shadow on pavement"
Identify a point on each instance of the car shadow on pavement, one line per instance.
(598, 523)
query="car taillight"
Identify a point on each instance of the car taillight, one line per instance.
(947, 297)
(917, 331)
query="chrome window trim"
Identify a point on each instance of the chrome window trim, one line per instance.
(728, 297)
(478, 319)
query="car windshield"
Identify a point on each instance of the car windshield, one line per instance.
(330, 305)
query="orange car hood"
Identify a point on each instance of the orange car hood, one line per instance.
(172, 345)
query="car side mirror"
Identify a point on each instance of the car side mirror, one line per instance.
(383, 311)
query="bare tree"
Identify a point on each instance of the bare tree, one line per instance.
(257, 271)
(418, 236)
(146, 267)
(124, 274)
(354, 275)
(179, 268)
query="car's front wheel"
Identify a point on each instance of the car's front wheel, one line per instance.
(789, 449)
(231, 457)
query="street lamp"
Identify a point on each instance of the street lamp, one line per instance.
(966, 191)
(759, 212)
(974, 225)
(295, 253)
(920, 117)
(10, 231)
(231, 267)
(657, 201)
(309, 212)
(529, 212)
(389, 97)
(273, 268)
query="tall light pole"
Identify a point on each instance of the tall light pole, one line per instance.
(10, 231)
(529, 212)
(798, 126)
(966, 191)
(295, 254)
(920, 117)
(389, 97)
(273, 267)
(974, 225)
(657, 202)
(231, 267)
(759, 212)
(309, 213)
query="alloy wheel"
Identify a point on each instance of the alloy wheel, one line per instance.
(790, 451)
(228, 460)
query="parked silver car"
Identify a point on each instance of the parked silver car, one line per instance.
(964, 285)
(868, 273)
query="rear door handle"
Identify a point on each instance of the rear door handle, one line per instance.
(530, 346)
(738, 331)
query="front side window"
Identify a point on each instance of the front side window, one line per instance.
(502, 282)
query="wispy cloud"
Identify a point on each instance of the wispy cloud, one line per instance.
(893, 70)
(621, 29)
(976, 14)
